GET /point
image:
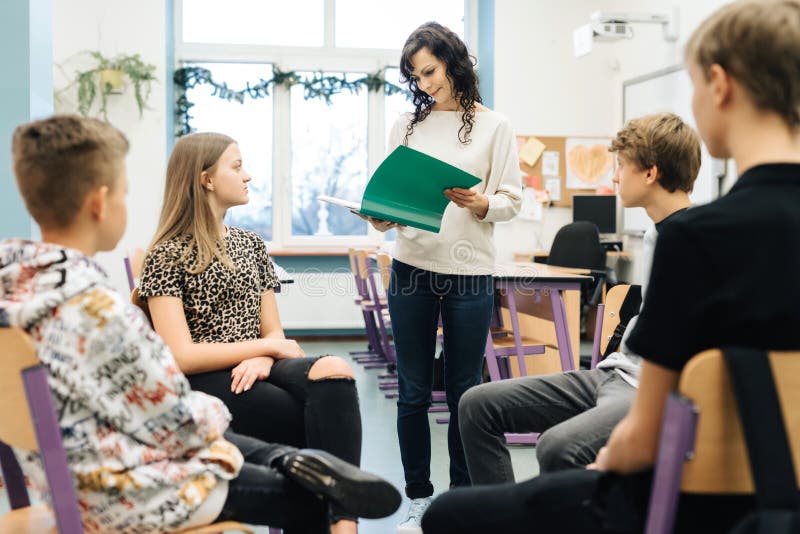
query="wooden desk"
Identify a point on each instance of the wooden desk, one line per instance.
(622, 255)
(529, 280)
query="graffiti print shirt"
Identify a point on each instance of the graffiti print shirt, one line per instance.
(145, 450)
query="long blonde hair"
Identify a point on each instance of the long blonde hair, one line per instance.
(186, 209)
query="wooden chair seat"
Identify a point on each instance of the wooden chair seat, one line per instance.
(39, 520)
(31, 519)
(371, 303)
(222, 526)
(507, 341)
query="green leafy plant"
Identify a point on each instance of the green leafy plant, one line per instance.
(98, 81)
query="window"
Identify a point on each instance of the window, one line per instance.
(296, 147)
(259, 22)
(329, 157)
(250, 124)
(364, 24)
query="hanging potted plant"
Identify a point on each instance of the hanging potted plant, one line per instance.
(107, 77)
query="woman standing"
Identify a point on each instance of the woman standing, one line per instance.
(449, 273)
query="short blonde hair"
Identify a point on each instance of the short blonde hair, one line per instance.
(663, 140)
(59, 160)
(758, 43)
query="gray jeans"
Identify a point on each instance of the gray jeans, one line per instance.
(575, 412)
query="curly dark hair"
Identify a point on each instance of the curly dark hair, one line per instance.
(446, 46)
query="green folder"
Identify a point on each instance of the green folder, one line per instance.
(408, 188)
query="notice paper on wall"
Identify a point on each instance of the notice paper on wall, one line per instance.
(550, 163)
(553, 186)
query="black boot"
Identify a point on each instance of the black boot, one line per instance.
(353, 490)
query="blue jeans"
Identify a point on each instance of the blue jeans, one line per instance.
(416, 299)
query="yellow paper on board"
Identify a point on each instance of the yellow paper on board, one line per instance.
(531, 151)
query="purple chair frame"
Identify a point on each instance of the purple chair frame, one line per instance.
(129, 273)
(51, 449)
(374, 356)
(598, 334)
(387, 347)
(63, 498)
(676, 445)
(519, 350)
(498, 372)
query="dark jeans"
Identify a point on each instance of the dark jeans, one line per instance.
(576, 501)
(416, 299)
(260, 495)
(290, 409)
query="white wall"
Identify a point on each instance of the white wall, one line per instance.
(545, 90)
(116, 27)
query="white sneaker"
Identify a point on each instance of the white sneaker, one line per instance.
(413, 521)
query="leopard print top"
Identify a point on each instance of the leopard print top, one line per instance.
(221, 306)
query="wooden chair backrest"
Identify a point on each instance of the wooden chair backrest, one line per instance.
(351, 255)
(16, 425)
(385, 268)
(361, 258)
(720, 463)
(613, 303)
(140, 303)
(137, 262)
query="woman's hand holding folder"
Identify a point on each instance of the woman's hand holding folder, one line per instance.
(467, 198)
(378, 224)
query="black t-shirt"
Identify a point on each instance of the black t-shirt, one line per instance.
(727, 273)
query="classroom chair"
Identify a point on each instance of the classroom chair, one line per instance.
(501, 345)
(383, 268)
(613, 317)
(370, 265)
(373, 357)
(702, 447)
(134, 261)
(577, 245)
(140, 303)
(30, 423)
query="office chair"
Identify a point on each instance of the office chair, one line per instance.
(577, 245)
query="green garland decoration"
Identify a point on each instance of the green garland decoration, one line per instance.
(315, 86)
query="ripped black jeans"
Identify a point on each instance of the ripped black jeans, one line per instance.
(289, 409)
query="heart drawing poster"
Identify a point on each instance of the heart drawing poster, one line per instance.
(589, 163)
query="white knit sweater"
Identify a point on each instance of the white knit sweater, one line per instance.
(464, 243)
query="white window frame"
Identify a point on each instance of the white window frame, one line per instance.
(324, 58)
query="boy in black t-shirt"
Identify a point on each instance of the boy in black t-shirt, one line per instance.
(724, 274)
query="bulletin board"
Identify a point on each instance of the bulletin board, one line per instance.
(560, 145)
